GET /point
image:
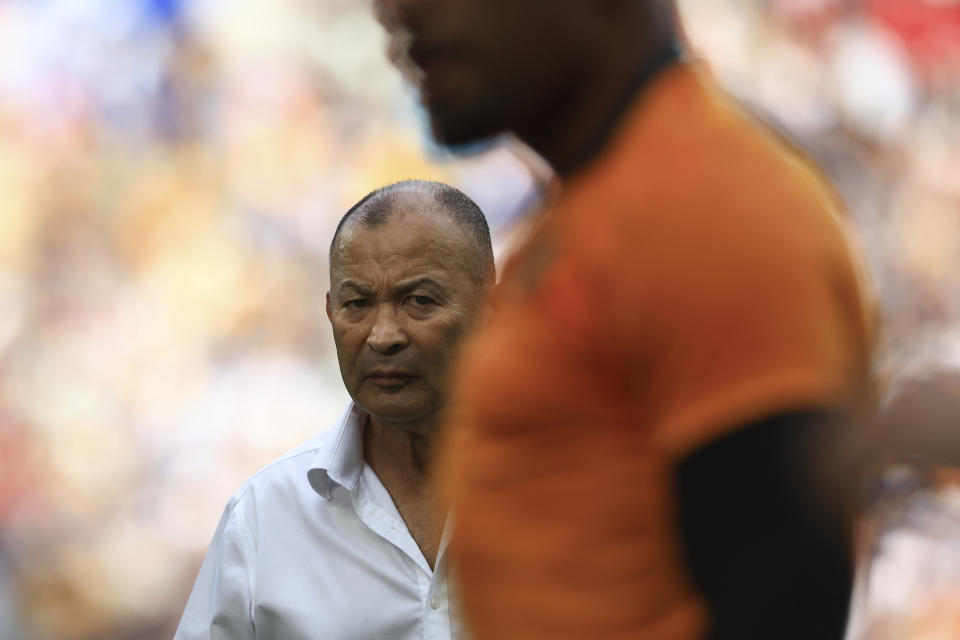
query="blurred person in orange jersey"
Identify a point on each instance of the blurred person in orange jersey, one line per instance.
(338, 538)
(628, 434)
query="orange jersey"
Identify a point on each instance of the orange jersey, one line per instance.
(696, 276)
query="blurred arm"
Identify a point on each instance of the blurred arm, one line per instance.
(760, 548)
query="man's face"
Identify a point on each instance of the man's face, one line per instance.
(402, 296)
(486, 66)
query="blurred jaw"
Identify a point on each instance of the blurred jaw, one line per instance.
(483, 66)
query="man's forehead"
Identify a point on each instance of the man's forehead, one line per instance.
(405, 241)
(371, 272)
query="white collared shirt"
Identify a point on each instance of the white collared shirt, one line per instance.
(312, 546)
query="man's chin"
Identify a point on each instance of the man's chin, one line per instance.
(467, 145)
(402, 421)
(463, 135)
(395, 414)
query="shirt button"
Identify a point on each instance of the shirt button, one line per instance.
(435, 603)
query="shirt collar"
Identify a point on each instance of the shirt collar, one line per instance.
(340, 459)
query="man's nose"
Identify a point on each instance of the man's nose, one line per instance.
(387, 334)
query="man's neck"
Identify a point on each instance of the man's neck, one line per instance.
(403, 452)
(570, 137)
(401, 459)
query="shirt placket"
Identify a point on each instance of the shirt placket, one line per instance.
(385, 521)
(436, 612)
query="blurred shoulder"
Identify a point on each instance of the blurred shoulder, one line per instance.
(691, 167)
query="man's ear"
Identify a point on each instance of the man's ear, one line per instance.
(329, 309)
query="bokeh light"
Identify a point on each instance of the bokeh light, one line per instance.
(171, 172)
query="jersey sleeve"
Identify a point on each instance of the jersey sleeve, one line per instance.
(762, 312)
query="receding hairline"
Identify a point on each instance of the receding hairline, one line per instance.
(401, 206)
(378, 207)
(382, 201)
(381, 205)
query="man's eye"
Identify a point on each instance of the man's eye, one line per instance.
(422, 300)
(355, 304)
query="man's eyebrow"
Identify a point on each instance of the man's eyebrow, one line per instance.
(362, 289)
(416, 283)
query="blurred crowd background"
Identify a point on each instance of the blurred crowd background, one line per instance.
(171, 172)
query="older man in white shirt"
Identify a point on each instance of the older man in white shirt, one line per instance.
(342, 538)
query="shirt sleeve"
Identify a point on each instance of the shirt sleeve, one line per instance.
(221, 603)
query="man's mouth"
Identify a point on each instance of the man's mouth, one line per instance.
(389, 377)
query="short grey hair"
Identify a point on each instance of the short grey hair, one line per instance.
(376, 207)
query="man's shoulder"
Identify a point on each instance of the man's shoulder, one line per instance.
(713, 181)
(691, 148)
(285, 473)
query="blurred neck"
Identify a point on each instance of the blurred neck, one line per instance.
(571, 135)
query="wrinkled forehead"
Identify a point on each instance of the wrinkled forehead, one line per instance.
(415, 234)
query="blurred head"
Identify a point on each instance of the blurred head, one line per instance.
(410, 265)
(487, 66)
